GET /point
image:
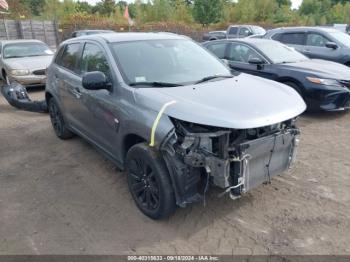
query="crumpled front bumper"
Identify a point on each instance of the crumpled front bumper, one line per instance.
(237, 166)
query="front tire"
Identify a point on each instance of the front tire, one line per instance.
(57, 121)
(149, 182)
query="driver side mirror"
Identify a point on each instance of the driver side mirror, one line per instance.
(95, 80)
(256, 61)
(331, 45)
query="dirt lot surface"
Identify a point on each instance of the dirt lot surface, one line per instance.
(63, 197)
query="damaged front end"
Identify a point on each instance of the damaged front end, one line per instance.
(234, 160)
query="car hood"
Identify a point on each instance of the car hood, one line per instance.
(320, 68)
(241, 102)
(31, 63)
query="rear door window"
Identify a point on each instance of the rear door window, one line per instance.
(218, 49)
(233, 30)
(70, 57)
(293, 38)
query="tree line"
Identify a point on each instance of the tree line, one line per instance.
(190, 12)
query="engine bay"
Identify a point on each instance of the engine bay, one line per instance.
(236, 161)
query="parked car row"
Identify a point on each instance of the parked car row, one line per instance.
(180, 117)
(326, 43)
(315, 42)
(324, 85)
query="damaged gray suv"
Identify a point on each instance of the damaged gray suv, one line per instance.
(172, 116)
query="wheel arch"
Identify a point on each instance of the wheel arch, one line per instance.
(129, 141)
(291, 80)
(48, 96)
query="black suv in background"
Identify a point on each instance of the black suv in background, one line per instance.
(315, 42)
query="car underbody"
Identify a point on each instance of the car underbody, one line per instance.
(235, 160)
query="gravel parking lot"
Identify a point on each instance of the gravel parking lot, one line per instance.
(63, 197)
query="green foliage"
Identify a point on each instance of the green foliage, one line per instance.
(35, 6)
(317, 10)
(190, 12)
(207, 11)
(105, 7)
(83, 7)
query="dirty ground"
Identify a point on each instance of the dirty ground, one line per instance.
(63, 197)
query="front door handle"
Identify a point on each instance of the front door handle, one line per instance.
(76, 92)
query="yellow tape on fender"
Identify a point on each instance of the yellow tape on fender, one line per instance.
(156, 121)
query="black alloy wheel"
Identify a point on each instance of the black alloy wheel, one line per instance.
(57, 121)
(143, 184)
(149, 182)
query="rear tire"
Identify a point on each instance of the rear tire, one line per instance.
(57, 121)
(149, 182)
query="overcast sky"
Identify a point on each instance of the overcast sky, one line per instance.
(296, 3)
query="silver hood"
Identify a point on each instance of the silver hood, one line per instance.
(31, 63)
(241, 102)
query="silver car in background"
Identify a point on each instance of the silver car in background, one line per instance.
(25, 61)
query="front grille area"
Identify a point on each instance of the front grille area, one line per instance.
(345, 83)
(40, 72)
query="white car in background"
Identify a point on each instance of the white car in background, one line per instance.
(24, 61)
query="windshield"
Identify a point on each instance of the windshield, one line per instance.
(166, 61)
(26, 50)
(258, 30)
(341, 37)
(279, 53)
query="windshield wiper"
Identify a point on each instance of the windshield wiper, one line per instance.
(155, 84)
(208, 78)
